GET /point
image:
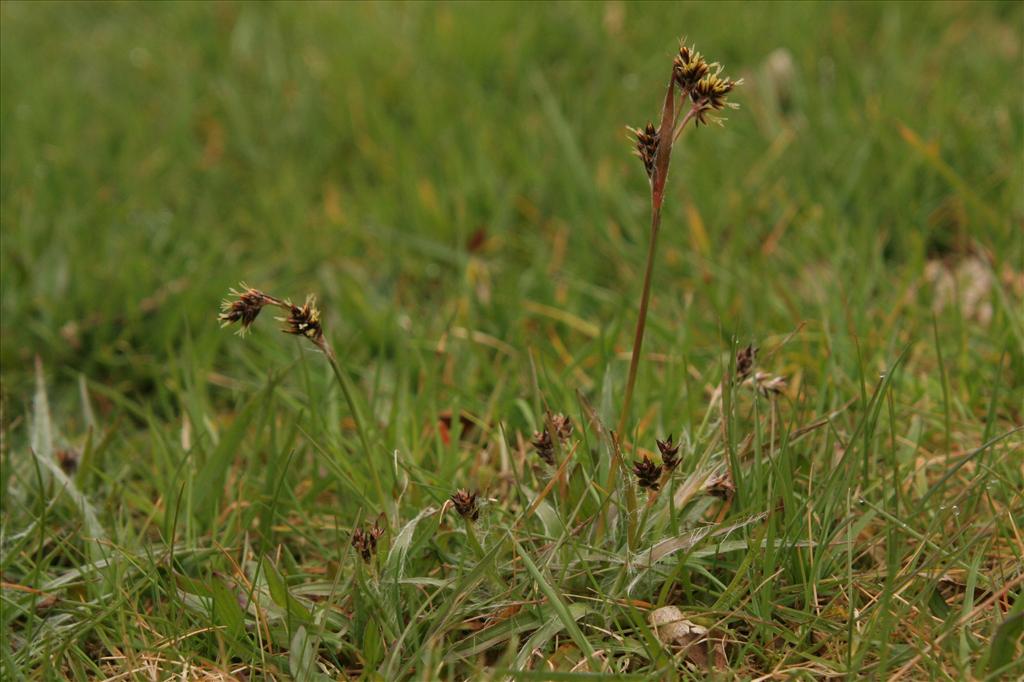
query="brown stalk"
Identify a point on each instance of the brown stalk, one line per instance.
(701, 83)
(658, 178)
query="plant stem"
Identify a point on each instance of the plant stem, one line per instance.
(686, 119)
(478, 551)
(645, 295)
(346, 389)
(634, 362)
(657, 196)
(641, 320)
(662, 159)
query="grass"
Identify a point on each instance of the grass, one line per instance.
(454, 183)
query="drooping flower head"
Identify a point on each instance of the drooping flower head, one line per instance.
(243, 307)
(304, 320)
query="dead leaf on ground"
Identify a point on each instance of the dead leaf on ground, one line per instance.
(488, 620)
(697, 644)
(966, 283)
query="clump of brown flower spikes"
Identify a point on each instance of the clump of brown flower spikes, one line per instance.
(466, 505)
(648, 474)
(689, 68)
(542, 441)
(707, 89)
(245, 305)
(669, 452)
(68, 459)
(365, 541)
(646, 146)
(763, 382)
(745, 358)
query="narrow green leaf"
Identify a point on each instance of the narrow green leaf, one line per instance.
(555, 675)
(302, 656)
(192, 586)
(395, 566)
(208, 485)
(1003, 649)
(556, 602)
(463, 589)
(42, 429)
(373, 651)
(938, 605)
(546, 632)
(226, 611)
(282, 597)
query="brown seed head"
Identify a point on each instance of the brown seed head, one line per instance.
(562, 425)
(68, 459)
(745, 361)
(304, 321)
(544, 446)
(646, 146)
(648, 473)
(688, 68)
(669, 452)
(365, 541)
(720, 486)
(768, 384)
(244, 308)
(466, 504)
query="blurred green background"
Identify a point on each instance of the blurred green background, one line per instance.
(430, 166)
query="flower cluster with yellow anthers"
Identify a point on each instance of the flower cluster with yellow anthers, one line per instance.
(707, 89)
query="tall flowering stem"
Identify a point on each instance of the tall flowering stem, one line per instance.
(658, 175)
(692, 79)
